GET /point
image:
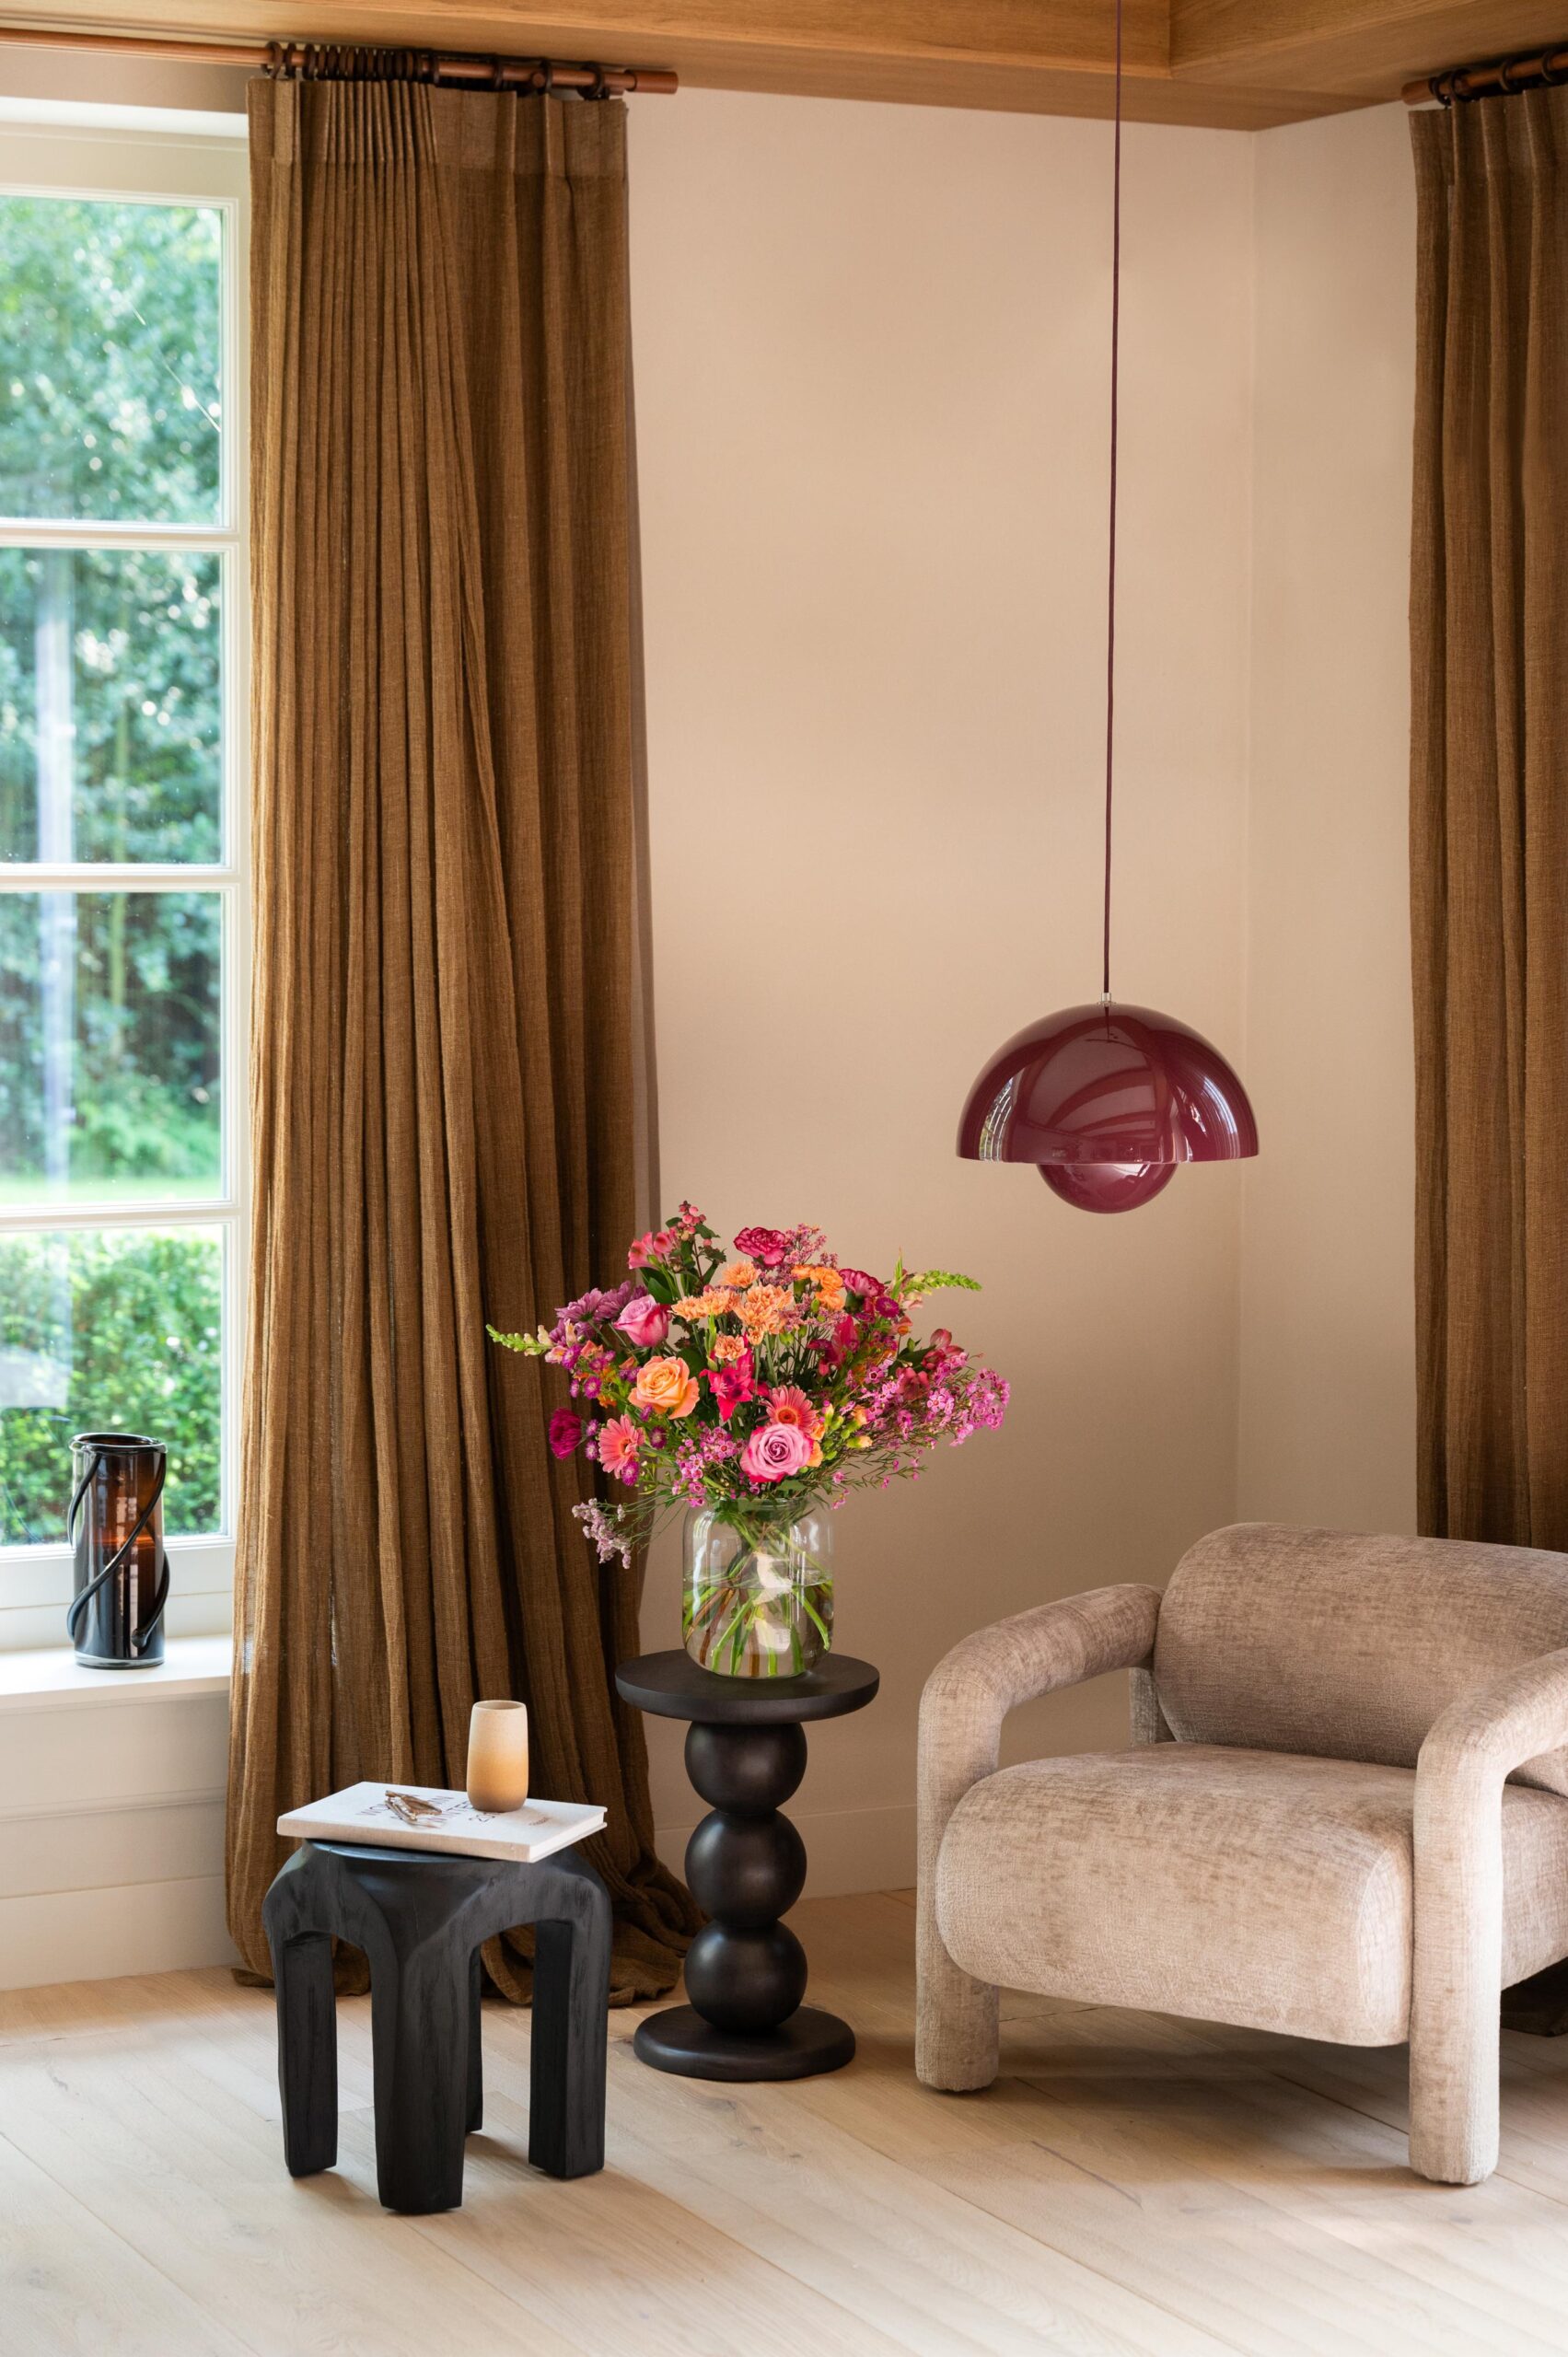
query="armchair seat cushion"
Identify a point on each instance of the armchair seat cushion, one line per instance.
(1260, 1888)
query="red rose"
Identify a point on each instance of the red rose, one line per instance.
(566, 1431)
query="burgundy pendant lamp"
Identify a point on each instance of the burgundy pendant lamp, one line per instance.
(1106, 1099)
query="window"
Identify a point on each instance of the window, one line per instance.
(123, 941)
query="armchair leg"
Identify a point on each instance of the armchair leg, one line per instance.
(956, 2035)
(1456, 1980)
(1454, 2103)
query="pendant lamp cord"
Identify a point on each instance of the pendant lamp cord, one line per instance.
(1111, 568)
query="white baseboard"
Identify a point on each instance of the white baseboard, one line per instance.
(847, 1850)
(103, 1933)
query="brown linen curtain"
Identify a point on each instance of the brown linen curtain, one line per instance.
(1489, 821)
(443, 1016)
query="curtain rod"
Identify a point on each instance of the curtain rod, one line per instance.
(1503, 79)
(295, 57)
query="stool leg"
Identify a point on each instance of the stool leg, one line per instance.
(476, 2050)
(421, 2031)
(570, 2031)
(307, 2052)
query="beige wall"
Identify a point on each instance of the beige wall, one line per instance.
(1328, 1364)
(871, 349)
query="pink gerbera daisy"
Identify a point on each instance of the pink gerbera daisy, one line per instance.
(789, 1405)
(618, 1446)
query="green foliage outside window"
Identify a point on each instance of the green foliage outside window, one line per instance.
(111, 751)
(120, 1330)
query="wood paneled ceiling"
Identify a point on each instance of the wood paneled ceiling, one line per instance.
(1239, 64)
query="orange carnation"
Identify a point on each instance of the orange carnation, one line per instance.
(666, 1387)
(764, 1309)
(737, 1273)
(829, 1286)
(709, 1303)
(727, 1349)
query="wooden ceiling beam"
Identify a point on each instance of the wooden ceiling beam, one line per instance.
(1360, 48)
(1024, 56)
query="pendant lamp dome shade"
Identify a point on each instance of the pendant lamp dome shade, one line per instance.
(1107, 1101)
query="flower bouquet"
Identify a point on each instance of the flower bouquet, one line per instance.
(754, 1388)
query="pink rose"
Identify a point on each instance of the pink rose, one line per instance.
(566, 1431)
(764, 1244)
(643, 1321)
(775, 1452)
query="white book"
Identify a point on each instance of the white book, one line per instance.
(363, 1813)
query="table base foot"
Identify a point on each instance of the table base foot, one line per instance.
(806, 2044)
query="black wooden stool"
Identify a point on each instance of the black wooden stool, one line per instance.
(420, 1918)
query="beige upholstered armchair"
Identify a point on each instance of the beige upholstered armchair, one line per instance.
(1343, 1813)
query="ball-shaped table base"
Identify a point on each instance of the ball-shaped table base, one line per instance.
(745, 1865)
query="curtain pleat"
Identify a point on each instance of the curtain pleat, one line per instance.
(1489, 819)
(444, 1113)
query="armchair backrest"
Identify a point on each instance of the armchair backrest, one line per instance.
(1349, 1647)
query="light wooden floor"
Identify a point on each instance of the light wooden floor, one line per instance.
(1131, 2185)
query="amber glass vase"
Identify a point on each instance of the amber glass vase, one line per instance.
(119, 1570)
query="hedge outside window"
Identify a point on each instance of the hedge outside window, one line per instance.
(118, 1198)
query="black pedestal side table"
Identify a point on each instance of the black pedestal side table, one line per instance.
(420, 1918)
(746, 1865)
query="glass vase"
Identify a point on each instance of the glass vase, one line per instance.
(759, 1594)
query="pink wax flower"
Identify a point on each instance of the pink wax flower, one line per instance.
(643, 1321)
(617, 1446)
(764, 1244)
(566, 1431)
(732, 1387)
(775, 1452)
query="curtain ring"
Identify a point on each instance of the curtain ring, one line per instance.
(543, 78)
(498, 72)
(600, 87)
(1507, 84)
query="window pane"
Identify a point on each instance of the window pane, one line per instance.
(110, 339)
(109, 1044)
(110, 720)
(109, 1331)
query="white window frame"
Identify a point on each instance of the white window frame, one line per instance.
(151, 166)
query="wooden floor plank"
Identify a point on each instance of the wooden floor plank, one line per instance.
(822, 2205)
(70, 2284)
(1134, 2185)
(152, 2147)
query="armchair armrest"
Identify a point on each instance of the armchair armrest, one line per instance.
(971, 1690)
(1502, 1725)
(1456, 1968)
(967, 1697)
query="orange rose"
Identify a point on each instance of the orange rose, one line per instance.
(666, 1387)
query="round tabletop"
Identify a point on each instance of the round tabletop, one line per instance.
(673, 1686)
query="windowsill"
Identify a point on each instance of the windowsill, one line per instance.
(51, 1677)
